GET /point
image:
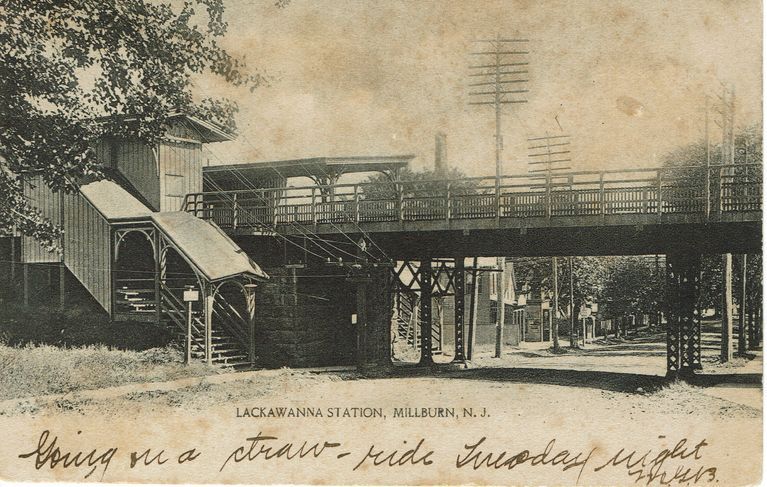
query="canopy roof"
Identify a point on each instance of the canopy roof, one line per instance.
(203, 243)
(314, 167)
(113, 201)
(211, 251)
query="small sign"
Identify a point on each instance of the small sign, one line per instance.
(191, 295)
(585, 312)
(354, 318)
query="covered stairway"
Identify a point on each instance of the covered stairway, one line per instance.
(153, 258)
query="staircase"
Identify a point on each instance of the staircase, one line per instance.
(408, 318)
(228, 337)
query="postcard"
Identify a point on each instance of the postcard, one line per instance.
(340, 242)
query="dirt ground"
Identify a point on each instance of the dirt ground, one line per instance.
(606, 397)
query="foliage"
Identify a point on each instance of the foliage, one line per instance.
(589, 274)
(422, 184)
(44, 369)
(620, 285)
(634, 286)
(74, 72)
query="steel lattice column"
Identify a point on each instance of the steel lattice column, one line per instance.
(459, 304)
(682, 314)
(424, 274)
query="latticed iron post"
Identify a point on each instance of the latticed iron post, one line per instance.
(424, 275)
(682, 314)
(459, 304)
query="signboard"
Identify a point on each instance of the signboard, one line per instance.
(191, 295)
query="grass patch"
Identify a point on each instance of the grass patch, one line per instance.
(34, 370)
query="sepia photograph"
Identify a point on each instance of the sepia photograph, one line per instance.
(352, 242)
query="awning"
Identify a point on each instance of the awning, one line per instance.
(206, 246)
(313, 167)
(113, 201)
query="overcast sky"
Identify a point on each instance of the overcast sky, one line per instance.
(627, 80)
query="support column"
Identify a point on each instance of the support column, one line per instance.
(13, 256)
(501, 315)
(62, 284)
(459, 305)
(209, 324)
(374, 315)
(682, 316)
(742, 336)
(726, 342)
(424, 274)
(473, 310)
(250, 303)
(25, 277)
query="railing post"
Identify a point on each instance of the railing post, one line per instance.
(235, 211)
(400, 201)
(720, 206)
(447, 203)
(645, 202)
(209, 300)
(250, 300)
(313, 208)
(548, 196)
(602, 204)
(356, 204)
(660, 192)
(498, 198)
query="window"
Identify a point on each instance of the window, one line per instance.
(174, 185)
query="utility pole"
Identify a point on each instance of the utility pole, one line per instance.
(708, 167)
(726, 354)
(573, 316)
(497, 72)
(728, 159)
(555, 303)
(742, 343)
(550, 150)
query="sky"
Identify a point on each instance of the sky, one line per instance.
(627, 81)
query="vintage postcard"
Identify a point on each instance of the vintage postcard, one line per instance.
(354, 242)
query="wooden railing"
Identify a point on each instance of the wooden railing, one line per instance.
(710, 192)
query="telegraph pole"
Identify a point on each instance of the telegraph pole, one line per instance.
(727, 100)
(573, 317)
(497, 71)
(555, 304)
(550, 151)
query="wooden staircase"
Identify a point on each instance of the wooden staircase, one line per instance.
(408, 319)
(229, 342)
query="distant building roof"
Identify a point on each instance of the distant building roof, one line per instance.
(313, 167)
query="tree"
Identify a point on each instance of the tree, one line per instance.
(633, 287)
(423, 184)
(74, 72)
(589, 275)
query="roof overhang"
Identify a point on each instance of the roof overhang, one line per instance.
(313, 167)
